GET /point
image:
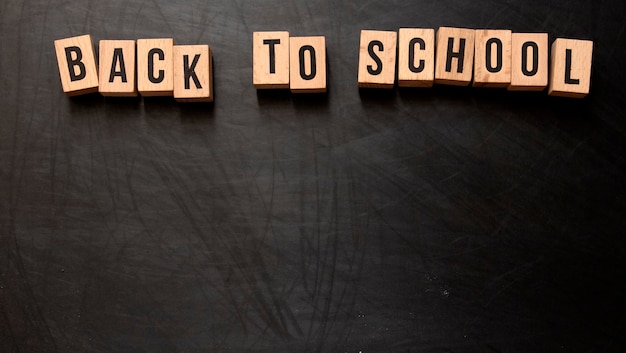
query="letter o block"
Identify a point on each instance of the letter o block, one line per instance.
(377, 59)
(529, 62)
(492, 58)
(307, 64)
(77, 65)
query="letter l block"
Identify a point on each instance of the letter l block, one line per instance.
(570, 69)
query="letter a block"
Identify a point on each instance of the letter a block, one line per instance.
(416, 57)
(455, 56)
(377, 59)
(155, 67)
(529, 61)
(117, 68)
(270, 59)
(570, 68)
(193, 74)
(77, 65)
(307, 64)
(492, 58)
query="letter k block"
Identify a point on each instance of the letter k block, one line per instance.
(193, 73)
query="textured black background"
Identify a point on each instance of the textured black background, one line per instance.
(437, 220)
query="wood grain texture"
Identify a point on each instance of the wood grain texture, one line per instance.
(377, 59)
(307, 66)
(265, 73)
(421, 71)
(160, 80)
(570, 68)
(117, 70)
(77, 65)
(531, 74)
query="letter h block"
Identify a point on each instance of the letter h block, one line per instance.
(454, 56)
(77, 65)
(155, 67)
(377, 59)
(193, 73)
(270, 60)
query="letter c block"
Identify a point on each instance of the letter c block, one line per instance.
(307, 64)
(193, 73)
(77, 65)
(377, 59)
(155, 66)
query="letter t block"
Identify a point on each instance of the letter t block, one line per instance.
(270, 59)
(77, 65)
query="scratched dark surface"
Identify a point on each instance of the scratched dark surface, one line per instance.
(437, 220)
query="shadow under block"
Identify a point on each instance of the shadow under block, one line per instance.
(492, 58)
(193, 73)
(307, 64)
(117, 68)
(454, 56)
(529, 61)
(570, 68)
(377, 59)
(416, 57)
(77, 65)
(270, 60)
(155, 67)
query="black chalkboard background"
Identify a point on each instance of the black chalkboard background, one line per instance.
(427, 220)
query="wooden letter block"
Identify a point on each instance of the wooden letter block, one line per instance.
(307, 62)
(155, 67)
(570, 68)
(377, 59)
(416, 57)
(455, 56)
(492, 58)
(193, 73)
(529, 61)
(77, 65)
(270, 59)
(117, 68)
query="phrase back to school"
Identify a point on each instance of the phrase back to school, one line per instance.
(410, 57)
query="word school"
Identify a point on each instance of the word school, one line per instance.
(493, 58)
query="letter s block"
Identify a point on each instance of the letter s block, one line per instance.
(193, 73)
(307, 64)
(570, 68)
(270, 60)
(155, 66)
(117, 68)
(77, 65)
(377, 59)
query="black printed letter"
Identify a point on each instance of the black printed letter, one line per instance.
(460, 55)
(161, 55)
(118, 57)
(379, 64)
(189, 71)
(568, 68)
(272, 43)
(311, 50)
(498, 66)
(412, 67)
(75, 62)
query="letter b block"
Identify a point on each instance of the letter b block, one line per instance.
(270, 59)
(77, 65)
(570, 69)
(117, 68)
(155, 66)
(455, 56)
(377, 59)
(193, 73)
(307, 64)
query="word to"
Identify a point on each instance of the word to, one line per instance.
(492, 58)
